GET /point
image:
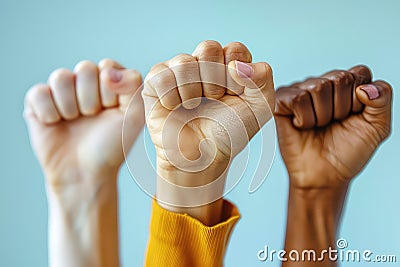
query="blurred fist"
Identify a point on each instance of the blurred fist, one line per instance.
(75, 120)
(330, 126)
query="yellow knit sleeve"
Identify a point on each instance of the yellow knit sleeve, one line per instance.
(178, 240)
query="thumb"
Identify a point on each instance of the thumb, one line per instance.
(126, 83)
(258, 85)
(377, 98)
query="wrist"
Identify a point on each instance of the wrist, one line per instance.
(312, 220)
(83, 224)
(72, 198)
(182, 176)
(319, 177)
(321, 203)
(198, 194)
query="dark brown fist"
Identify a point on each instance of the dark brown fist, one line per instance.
(329, 127)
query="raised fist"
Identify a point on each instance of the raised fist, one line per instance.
(75, 121)
(202, 109)
(330, 126)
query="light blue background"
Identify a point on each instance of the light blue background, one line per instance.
(298, 38)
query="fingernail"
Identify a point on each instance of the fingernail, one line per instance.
(115, 75)
(371, 90)
(244, 70)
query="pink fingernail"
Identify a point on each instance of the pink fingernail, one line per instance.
(244, 70)
(371, 90)
(115, 75)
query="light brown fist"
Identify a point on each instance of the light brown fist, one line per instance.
(205, 107)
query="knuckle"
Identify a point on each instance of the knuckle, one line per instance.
(317, 85)
(36, 92)
(89, 111)
(136, 75)
(165, 79)
(362, 74)
(296, 84)
(155, 69)
(185, 68)
(334, 75)
(214, 91)
(301, 97)
(362, 69)
(85, 65)
(346, 78)
(158, 72)
(60, 76)
(281, 90)
(323, 86)
(168, 102)
(181, 59)
(106, 63)
(340, 77)
(29, 96)
(49, 118)
(237, 51)
(236, 46)
(209, 48)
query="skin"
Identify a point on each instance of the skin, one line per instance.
(328, 129)
(172, 92)
(75, 126)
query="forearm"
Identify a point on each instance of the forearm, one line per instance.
(312, 223)
(83, 224)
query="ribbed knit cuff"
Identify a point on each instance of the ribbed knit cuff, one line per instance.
(180, 240)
